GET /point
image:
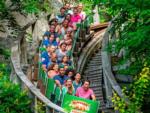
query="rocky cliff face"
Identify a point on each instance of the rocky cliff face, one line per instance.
(12, 25)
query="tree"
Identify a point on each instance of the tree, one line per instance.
(131, 22)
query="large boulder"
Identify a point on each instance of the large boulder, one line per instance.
(21, 19)
(56, 4)
(40, 27)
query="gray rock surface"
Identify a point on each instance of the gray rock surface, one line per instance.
(40, 27)
(22, 20)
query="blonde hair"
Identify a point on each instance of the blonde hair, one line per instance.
(72, 88)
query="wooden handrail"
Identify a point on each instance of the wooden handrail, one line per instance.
(23, 80)
(106, 64)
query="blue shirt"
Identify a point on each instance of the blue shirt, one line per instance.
(61, 78)
(46, 62)
(45, 59)
(48, 33)
(45, 42)
(54, 43)
(45, 55)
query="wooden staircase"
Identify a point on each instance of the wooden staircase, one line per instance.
(93, 72)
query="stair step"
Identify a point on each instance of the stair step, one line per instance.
(93, 74)
(94, 64)
(96, 58)
(93, 69)
(92, 78)
(89, 67)
(95, 61)
(99, 98)
(97, 55)
(98, 78)
(95, 85)
(96, 81)
(98, 95)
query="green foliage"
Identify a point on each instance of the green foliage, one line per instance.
(102, 9)
(25, 6)
(2, 6)
(30, 6)
(12, 99)
(3, 9)
(88, 6)
(131, 24)
(40, 107)
(136, 96)
(5, 52)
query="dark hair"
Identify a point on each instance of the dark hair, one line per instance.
(71, 70)
(75, 8)
(63, 44)
(67, 15)
(52, 20)
(62, 8)
(52, 34)
(45, 35)
(63, 58)
(65, 20)
(51, 66)
(86, 80)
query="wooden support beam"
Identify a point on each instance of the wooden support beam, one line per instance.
(99, 26)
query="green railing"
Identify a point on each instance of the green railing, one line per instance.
(47, 85)
(79, 39)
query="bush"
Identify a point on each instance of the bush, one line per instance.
(12, 99)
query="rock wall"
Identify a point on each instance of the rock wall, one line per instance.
(13, 24)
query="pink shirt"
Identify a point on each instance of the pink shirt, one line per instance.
(75, 18)
(84, 94)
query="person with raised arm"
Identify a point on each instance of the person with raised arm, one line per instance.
(68, 88)
(81, 12)
(75, 18)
